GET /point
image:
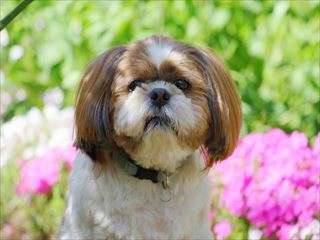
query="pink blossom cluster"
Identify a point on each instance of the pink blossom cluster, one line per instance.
(272, 180)
(39, 175)
(222, 229)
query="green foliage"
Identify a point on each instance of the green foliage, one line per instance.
(272, 49)
(7, 203)
(45, 212)
(35, 217)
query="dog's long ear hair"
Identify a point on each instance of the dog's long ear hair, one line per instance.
(93, 123)
(224, 106)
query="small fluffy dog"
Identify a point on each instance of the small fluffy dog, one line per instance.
(144, 115)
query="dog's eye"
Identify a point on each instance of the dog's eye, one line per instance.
(182, 84)
(135, 83)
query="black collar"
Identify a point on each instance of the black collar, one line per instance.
(135, 170)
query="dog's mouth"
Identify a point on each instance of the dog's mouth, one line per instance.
(158, 122)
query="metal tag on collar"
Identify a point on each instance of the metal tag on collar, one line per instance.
(166, 191)
(163, 177)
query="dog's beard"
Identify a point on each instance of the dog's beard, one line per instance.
(160, 121)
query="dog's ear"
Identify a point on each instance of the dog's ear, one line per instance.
(224, 107)
(93, 122)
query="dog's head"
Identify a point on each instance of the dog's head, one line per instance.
(159, 100)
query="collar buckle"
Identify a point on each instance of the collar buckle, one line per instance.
(163, 177)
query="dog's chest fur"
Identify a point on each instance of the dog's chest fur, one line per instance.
(113, 205)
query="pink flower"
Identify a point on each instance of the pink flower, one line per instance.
(222, 229)
(285, 232)
(272, 180)
(7, 231)
(39, 175)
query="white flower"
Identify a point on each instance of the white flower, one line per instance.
(34, 117)
(60, 137)
(254, 234)
(21, 94)
(4, 38)
(294, 233)
(39, 24)
(5, 100)
(16, 52)
(30, 135)
(53, 96)
(2, 77)
(312, 231)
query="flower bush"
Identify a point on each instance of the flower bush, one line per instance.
(35, 133)
(36, 155)
(41, 174)
(272, 181)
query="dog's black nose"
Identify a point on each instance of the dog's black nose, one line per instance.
(159, 97)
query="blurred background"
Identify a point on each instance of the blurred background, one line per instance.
(272, 51)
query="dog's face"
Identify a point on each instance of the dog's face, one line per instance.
(159, 100)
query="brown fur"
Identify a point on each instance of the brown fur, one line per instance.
(224, 106)
(93, 123)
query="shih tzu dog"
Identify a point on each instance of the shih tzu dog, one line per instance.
(145, 115)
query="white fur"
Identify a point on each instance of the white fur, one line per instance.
(161, 150)
(161, 51)
(158, 52)
(129, 119)
(114, 205)
(183, 113)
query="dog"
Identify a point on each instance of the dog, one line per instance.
(145, 113)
